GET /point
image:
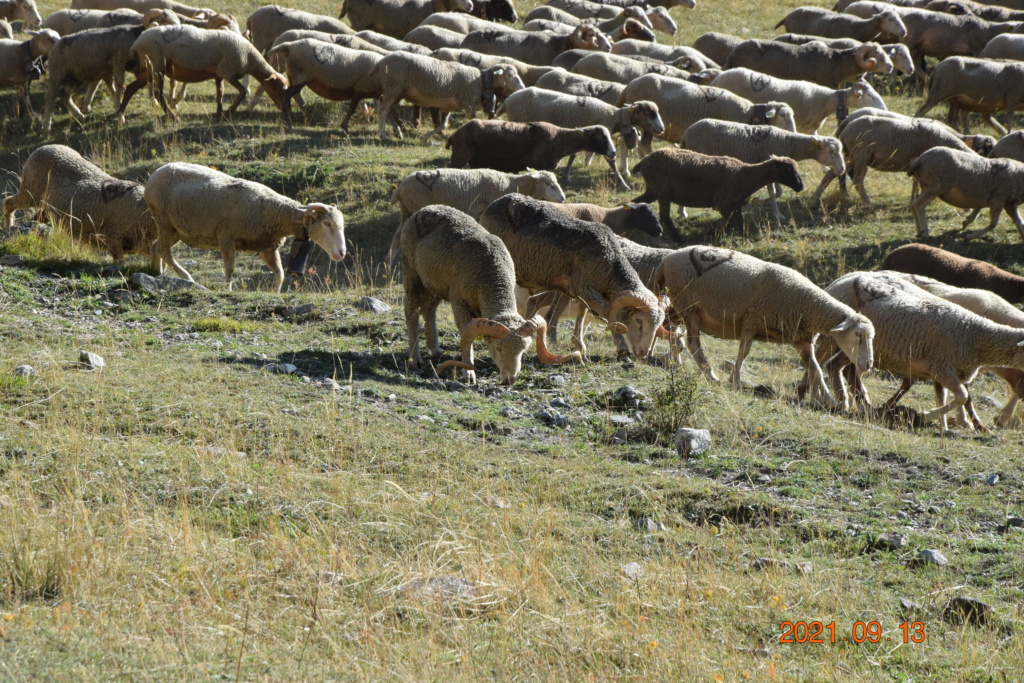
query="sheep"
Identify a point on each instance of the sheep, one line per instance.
(1010, 146)
(392, 44)
(494, 10)
(731, 295)
(982, 144)
(570, 83)
(687, 103)
(885, 26)
(978, 85)
(141, 6)
(697, 180)
(1004, 46)
(331, 71)
(956, 270)
(429, 82)
(982, 11)
(968, 181)
(462, 23)
(887, 144)
(511, 147)
(25, 10)
(584, 9)
(268, 22)
(192, 55)
(19, 63)
(69, 21)
(630, 30)
(680, 56)
(920, 335)
(536, 104)
(434, 37)
(841, 5)
(529, 73)
(619, 219)
(898, 53)
(95, 207)
(655, 18)
(536, 48)
(811, 103)
(6, 31)
(207, 209)
(812, 62)
(688, 4)
(552, 251)
(447, 256)
(717, 46)
(396, 18)
(608, 67)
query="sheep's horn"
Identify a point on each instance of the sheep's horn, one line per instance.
(665, 334)
(453, 364)
(539, 301)
(315, 207)
(871, 63)
(627, 299)
(536, 325)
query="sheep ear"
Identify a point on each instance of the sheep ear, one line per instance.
(770, 113)
(843, 326)
(498, 71)
(1020, 343)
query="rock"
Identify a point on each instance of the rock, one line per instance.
(289, 411)
(281, 368)
(627, 397)
(440, 587)
(496, 502)
(804, 567)
(425, 418)
(556, 380)
(648, 524)
(561, 421)
(909, 606)
(368, 303)
(1014, 523)
(763, 563)
(932, 557)
(24, 371)
(11, 261)
(890, 540)
(161, 284)
(632, 571)
(763, 479)
(123, 296)
(987, 401)
(559, 403)
(91, 361)
(295, 311)
(330, 384)
(765, 391)
(992, 479)
(961, 610)
(692, 441)
(621, 420)
(508, 411)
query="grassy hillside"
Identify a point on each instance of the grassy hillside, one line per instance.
(187, 514)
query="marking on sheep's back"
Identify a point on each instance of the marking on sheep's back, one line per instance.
(428, 178)
(471, 59)
(323, 53)
(581, 100)
(76, 14)
(708, 258)
(864, 293)
(759, 134)
(759, 82)
(597, 90)
(172, 34)
(711, 94)
(491, 36)
(114, 189)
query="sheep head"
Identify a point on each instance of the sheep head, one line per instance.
(275, 85)
(637, 316)
(223, 22)
(788, 172)
(871, 57)
(506, 347)
(644, 116)
(501, 10)
(637, 13)
(540, 185)
(662, 21)
(598, 140)
(642, 217)
(326, 227)
(42, 41)
(830, 154)
(901, 59)
(27, 10)
(160, 17)
(855, 336)
(453, 5)
(505, 80)
(890, 24)
(982, 144)
(863, 95)
(586, 37)
(634, 30)
(780, 115)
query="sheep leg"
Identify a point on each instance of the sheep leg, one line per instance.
(995, 124)
(555, 311)
(164, 249)
(290, 92)
(826, 180)
(243, 93)
(255, 98)
(412, 321)
(615, 171)
(462, 315)
(568, 165)
(1015, 380)
(940, 400)
(579, 329)
(970, 219)
(858, 182)
(227, 250)
(773, 198)
(90, 94)
(23, 89)
(622, 151)
(19, 200)
(353, 104)
(895, 398)
(272, 257)
(665, 214)
(917, 208)
(1011, 211)
(694, 347)
(993, 213)
(960, 396)
(129, 92)
(815, 376)
(383, 113)
(746, 341)
(163, 102)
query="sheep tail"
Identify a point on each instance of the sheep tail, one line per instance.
(914, 166)
(780, 23)
(636, 169)
(501, 110)
(283, 47)
(344, 9)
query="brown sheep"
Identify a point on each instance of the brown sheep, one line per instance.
(956, 270)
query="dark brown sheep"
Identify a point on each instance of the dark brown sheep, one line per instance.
(956, 270)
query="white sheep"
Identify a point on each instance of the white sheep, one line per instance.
(19, 63)
(533, 47)
(811, 103)
(679, 55)
(976, 85)
(96, 208)
(142, 6)
(265, 24)
(732, 295)
(462, 23)
(69, 21)
(570, 83)
(529, 73)
(208, 209)
(434, 37)
(396, 17)
(26, 10)
(623, 70)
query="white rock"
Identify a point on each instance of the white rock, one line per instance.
(632, 571)
(692, 441)
(24, 371)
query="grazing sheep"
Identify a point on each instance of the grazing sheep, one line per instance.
(884, 27)
(447, 256)
(697, 180)
(6, 31)
(841, 5)
(898, 53)
(688, 4)
(392, 44)
(731, 295)
(529, 73)
(192, 55)
(619, 219)
(69, 21)
(208, 209)
(982, 144)
(887, 144)
(512, 147)
(679, 56)
(803, 39)
(494, 10)
(434, 37)
(352, 42)
(396, 18)
(265, 24)
(631, 30)
(25, 10)
(982, 11)
(429, 82)
(96, 208)
(608, 67)
(1004, 46)
(462, 23)
(1010, 146)
(141, 6)
(717, 46)
(967, 181)
(814, 62)
(536, 104)
(19, 63)
(585, 9)
(811, 103)
(920, 335)
(536, 48)
(978, 85)
(553, 251)
(956, 270)
(552, 15)
(570, 83)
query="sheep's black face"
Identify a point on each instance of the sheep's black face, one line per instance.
(502, 10)
(600, 142)
(791, 176)
(643, 218)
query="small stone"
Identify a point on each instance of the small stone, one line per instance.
(368, 303)
(281, 368)
(621, 420)
(900, 514)
(561, 421)
(692, 441)
(509, 412)
(559, 403)
(447, 587)
(425, 418)
(1014, 522)
(161, 284)
(628, 397)
(496, 502)
(648, 524)
(122, 296)
(932, 557)
(392, 398)
(804, 567)
(992, 480)
(763, 479)
(289, 411)
(295, 311)
(632, 571)
(455, 386)
(890, 540)
(306, 379)
(556, 380)
(11, 261)
(763, 563)
(24, 371)
(962, 610)
(544, 415)
(330, 384)
(909, 606)
(91, 361)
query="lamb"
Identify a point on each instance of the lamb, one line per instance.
(885, 26)
(956, 270)
(887, 144)
(920, 335)
(717, 46)
(19, 63)
(69, 21)
(512, 147)
(619, 219)
(268, 22)
(494, 10)
(396, 18)
(570, 83)
(553, 251)
(447, 256)
(978, 85)
(608, 67)
(529, 73)
(535, 104)
(141, 6)
(680, 56)
(811, 103)
(732, 295)
(631, 30)
(1004, 46)
(968, 181)
(434, 37)
(812, 62)
(536, 48)
(207, 209)
(429, 82)
(96, 208)
(697, 180)
(25, 10)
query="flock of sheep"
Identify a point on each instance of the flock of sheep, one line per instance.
(496, 239)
